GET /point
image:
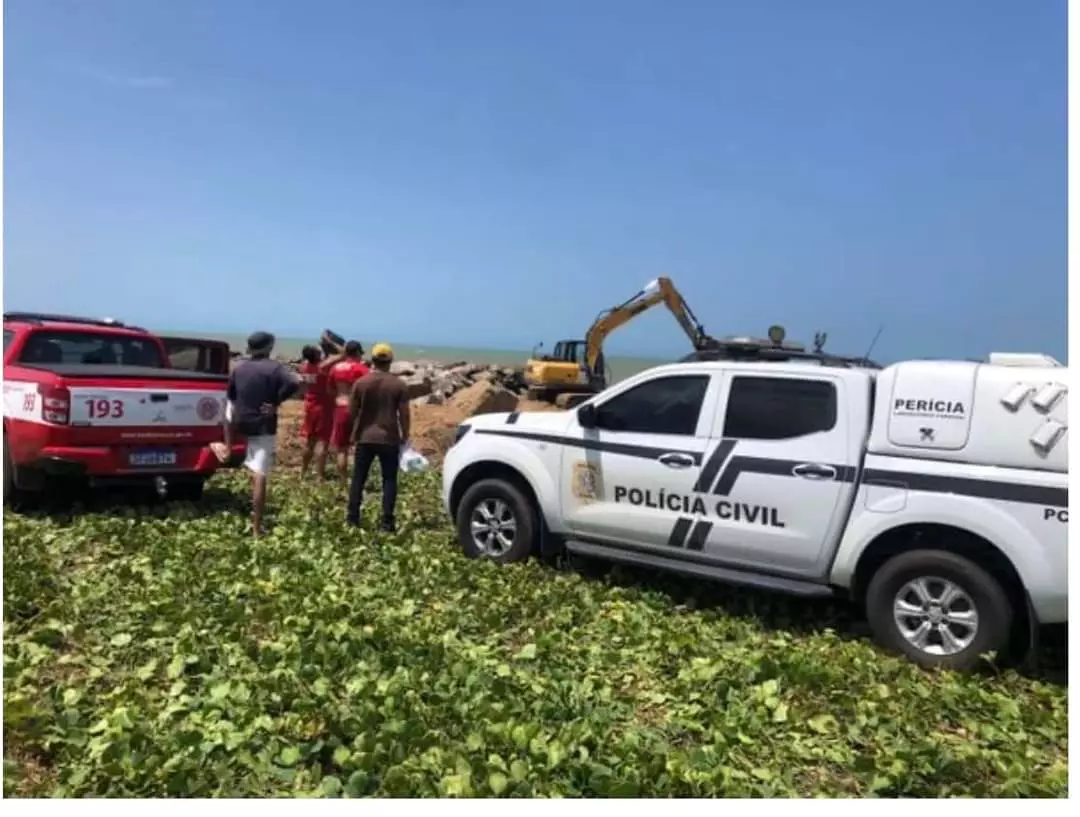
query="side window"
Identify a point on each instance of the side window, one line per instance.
(9, 335)
(667, 405)
(779, 408)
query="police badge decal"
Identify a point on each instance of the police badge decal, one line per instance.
(586, 485)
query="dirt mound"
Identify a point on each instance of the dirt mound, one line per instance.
(433, 426)
(483, 397)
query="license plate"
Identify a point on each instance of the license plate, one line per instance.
(151, 459)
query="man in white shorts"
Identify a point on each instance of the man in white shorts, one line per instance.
(257, 388)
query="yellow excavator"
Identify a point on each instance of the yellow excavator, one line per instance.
(576, 369)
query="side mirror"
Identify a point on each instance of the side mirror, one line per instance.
(586, 416)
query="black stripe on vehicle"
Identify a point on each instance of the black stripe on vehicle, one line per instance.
(912, 481)
(965, 486)
(751, 465)
(698, 535)
(641, 451)
(513, 418)
(845, 473)
(713, 465)
(678, 533)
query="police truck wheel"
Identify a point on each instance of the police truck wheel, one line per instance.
(939, 609)
(496, 521)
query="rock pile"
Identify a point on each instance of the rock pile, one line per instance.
(433, 384)
(464, 389)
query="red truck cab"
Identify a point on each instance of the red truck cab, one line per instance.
(98, 401)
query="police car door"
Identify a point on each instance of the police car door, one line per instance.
(792, 448)
(627, 481)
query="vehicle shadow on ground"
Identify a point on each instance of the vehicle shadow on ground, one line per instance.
(778, 612)
(63, 505)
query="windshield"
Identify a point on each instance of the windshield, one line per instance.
(91, 347)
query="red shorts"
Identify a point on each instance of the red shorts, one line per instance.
(318, 422)
(339, 437)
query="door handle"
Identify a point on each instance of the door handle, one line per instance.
(813, 470)
(674, 460)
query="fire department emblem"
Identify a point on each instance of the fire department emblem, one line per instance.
(207, 408)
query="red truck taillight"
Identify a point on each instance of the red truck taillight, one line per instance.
(55, 404)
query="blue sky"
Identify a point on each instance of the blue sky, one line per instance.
(484, 173)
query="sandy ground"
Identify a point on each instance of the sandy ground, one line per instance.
(432, 432)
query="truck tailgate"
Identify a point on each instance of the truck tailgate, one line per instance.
(165, 406)
(122, 404)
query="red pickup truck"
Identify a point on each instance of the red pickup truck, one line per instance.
(98, 401)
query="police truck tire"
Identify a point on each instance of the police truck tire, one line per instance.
(939, 609)
(496, 521)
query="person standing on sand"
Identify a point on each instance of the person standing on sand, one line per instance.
(343, 375)
(318, 408)
(379, 422)
(257, 388)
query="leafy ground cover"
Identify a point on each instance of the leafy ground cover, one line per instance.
(159, 652)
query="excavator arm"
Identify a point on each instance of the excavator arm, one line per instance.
(655, 292)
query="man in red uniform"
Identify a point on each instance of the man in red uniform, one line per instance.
(343, 375)
(318, 408)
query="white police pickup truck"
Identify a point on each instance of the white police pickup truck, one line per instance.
(933, 492)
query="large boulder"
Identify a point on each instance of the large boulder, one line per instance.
(403, 368)
(417, 386)
(464, 370)
(484, 398)
(449, 382)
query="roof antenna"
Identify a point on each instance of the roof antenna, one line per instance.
(873, 343)
(819, 341)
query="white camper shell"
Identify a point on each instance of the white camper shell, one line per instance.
(1008, 416)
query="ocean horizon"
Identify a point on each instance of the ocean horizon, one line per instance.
(620, 366)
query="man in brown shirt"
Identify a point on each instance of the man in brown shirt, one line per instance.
(379, 419)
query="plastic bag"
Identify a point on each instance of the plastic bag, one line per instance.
(412, 461)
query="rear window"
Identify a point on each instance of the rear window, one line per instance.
(8, 336)
(91, 348)
(197, 356)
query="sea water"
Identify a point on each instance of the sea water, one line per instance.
(620, 367)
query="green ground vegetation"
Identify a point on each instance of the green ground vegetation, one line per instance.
(156, 651)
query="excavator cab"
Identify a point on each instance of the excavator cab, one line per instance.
(565, 351)
(577, 367)
(569, 351)
(548, 376)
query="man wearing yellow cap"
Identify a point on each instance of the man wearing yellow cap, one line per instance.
(379, 419)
